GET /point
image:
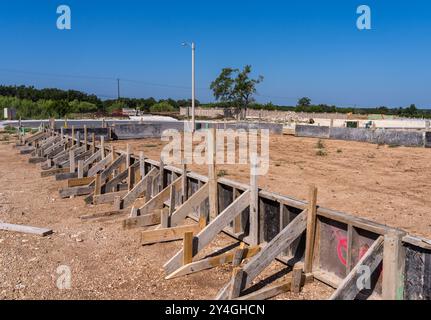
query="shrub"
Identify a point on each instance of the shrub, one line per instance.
(162, 107)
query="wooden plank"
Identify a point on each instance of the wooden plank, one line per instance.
(138, 189)
(167, 234)
(112, 184)
(108, 197)
(394, 265)
(104, 214)
(110, 168)
(268, 292)
(212, 229)
(274, 248)
(142, 221)
(94, 157)
(348, 289)
(213, 262)
(53, 172)
(36, 159)
(100, 166)
(311, 229)
(190, 205)
(75, 191)
(25, 229)
(77, 182)
(236, 285)
(158, 201)
(188, 247)
(66, 176)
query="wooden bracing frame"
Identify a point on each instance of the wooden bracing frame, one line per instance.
(169, 205)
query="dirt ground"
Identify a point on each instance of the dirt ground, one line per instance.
(386, 184)
(106, 262)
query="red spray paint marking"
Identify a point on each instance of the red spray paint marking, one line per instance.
(341, 247)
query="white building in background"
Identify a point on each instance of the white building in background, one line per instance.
(9, 113)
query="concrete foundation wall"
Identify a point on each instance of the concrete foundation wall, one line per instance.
(312, 131)
(378, 136)
(273, 128)
(144, 130)
(155, 130)
(98, 132)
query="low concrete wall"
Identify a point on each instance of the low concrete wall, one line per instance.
(144, 130)
(269, 115)
(98, 132)
(155, 129)
(378, 136)
(312, 131)
(273, 128)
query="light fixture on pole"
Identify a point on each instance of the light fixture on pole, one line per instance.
(193, 46)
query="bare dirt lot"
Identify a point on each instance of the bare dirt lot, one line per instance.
(106, 262)
(386, 184)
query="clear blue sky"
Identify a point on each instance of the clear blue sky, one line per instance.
(302, 48)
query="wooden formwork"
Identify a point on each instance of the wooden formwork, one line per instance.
(318, 243)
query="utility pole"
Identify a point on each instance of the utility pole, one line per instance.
(118, 88)
(193, 46)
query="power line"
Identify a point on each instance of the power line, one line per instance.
(144, 83)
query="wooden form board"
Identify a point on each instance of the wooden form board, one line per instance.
(417, 278)
(338, 249)
(25, 229)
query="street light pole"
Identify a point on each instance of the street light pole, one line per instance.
(193, 86)
(193, 46)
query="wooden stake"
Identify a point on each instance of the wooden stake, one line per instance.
(81, 169)
(393, 266)
(162, 175)
(236, 287)
(85, 137)
(184, 182)
(72, 161)
(93, 142)
(164, 218)
(149, 190)
(188, 248)
(73, 135)
(142, 164)
(98, 185)
(78, 138)
(254, 203)
(311, 229)
(128, 153)
(172, 200)
(296, 279)
(212, 175)
(102, 146)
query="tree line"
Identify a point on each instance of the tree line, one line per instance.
(233, 88)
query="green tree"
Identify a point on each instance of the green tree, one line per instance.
(236, 87)
(304, 102)
(163, 106)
